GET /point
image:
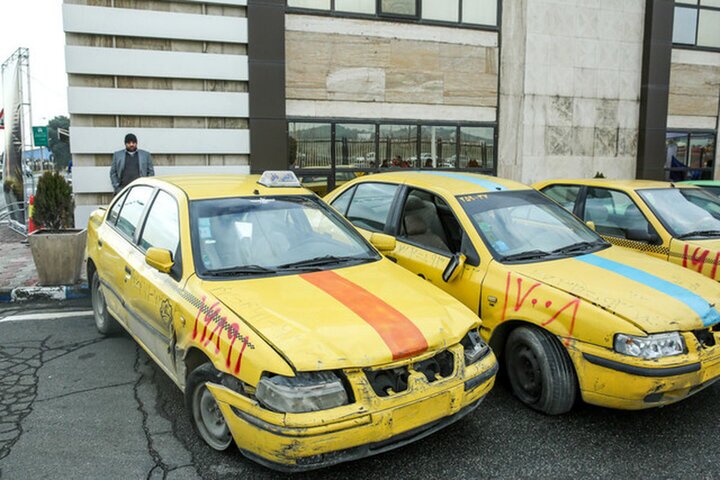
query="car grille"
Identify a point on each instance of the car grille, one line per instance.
(395, 380)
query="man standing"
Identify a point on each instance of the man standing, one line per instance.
(129, 164)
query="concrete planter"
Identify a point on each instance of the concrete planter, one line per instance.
(58, 255)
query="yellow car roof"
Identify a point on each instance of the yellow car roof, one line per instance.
(454, 183)
(222, 186)
(606, 183)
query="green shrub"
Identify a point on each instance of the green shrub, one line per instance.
(54, 203)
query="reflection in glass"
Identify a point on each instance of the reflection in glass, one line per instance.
(355, 6)
(308, 145)
(480, 12)
(440, 10)
(477, 147)
(438, 148)
(709, 29)
(355, 145)
(398, 144)
(684, 25)
(398, 7)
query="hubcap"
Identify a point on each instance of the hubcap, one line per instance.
(210, 420)
(98, 301)
(526, 370)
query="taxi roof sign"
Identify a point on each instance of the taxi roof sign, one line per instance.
(279, 178)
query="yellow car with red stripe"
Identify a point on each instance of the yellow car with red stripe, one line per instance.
(676, 222)
(284, 328)
(568, 314)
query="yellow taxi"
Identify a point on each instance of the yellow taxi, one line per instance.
(285, 329)
(674, 222)
(567, 313)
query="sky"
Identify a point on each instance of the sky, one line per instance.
(37, 25)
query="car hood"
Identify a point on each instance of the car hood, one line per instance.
(654, 295)
(359, 316)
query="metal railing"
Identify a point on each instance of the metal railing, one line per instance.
(6, 217)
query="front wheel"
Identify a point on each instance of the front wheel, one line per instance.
(540, 372)
(205, 414)
(104, 322)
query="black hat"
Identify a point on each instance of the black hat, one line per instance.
(130, 137)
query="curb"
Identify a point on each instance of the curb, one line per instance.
(44, 294)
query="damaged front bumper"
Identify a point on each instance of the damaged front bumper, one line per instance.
(370, 425)
(612, 380)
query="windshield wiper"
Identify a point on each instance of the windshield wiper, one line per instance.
(700, 233)
(529, 255)
(320, 261)
(578, 247)
(240, 270)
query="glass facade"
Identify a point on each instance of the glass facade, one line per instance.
(690, 155)
(697, 23)
(465, 12)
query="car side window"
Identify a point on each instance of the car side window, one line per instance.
(428, 221)
(162, 227)
(343, 200)
(565, 195)
(613, 213)
(370, 207)
(132, 209)
(112, 216)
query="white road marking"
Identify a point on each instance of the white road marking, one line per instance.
(46, 316)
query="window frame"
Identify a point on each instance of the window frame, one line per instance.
(580, 207)
(689, 132)
(581, 189)
(699, 8)
(391, 218)
(473, 258)
(141, 220)
(416, 19)
(334, 121)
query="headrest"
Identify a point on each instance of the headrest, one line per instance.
(414, 203)
(415, 225)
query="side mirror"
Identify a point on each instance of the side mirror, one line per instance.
(160, 259)
(642, 235)
(590, 224)
(454, 267)
(384, 243)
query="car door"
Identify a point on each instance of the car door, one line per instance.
(151, 295)
(428, 235)
(620, 221)
(368, 206)
(116, 246)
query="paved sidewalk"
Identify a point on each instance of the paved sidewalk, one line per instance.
(16, 264)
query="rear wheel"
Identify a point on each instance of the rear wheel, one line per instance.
(104, 322)
(541, 374)
(205, 414)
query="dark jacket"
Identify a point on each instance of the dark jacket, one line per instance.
(118, 165)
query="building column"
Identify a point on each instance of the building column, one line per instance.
(655, 89)
(266, 61)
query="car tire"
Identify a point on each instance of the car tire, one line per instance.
(541, 374)
(104, 322)
(205, 415)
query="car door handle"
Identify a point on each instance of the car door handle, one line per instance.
(100, 243)
(128, 272)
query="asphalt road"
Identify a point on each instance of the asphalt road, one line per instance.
(76, 405)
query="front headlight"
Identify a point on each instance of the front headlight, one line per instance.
(653, 346)
(475, 347)
(306, 392)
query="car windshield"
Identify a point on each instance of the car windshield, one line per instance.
(266, 235)
(524, 226)
(685, 212)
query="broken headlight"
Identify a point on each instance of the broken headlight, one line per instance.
(652, 346)
(475, 347)
(305, 392)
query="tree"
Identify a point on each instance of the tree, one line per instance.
(59, 148)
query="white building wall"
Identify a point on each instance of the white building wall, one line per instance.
(177, 78)
(570, 88)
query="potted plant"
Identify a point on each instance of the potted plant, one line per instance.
(57, 248)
